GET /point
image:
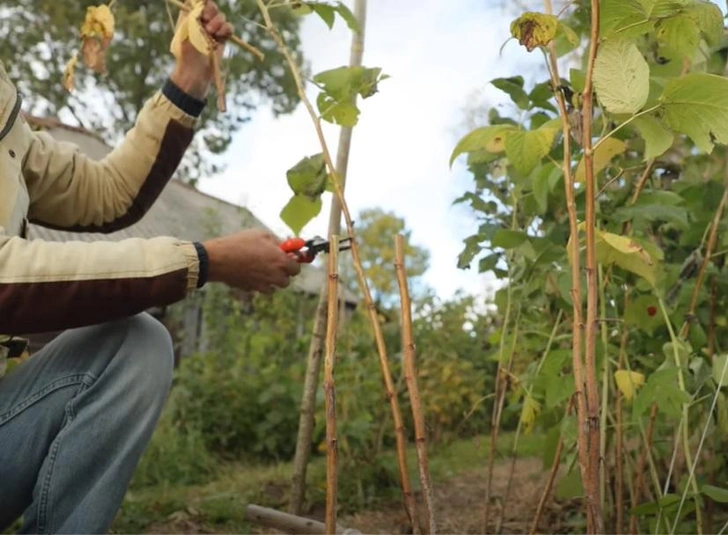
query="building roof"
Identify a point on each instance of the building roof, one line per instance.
(180, 211)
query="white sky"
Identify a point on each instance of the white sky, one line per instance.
(440, 55)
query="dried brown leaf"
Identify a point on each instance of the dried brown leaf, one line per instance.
(69, 73)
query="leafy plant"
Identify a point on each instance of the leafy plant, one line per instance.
(619, 168)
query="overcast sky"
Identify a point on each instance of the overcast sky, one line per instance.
(440, 55)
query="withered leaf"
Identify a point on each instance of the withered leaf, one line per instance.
(534, 29)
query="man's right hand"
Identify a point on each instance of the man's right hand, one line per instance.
(250, 260)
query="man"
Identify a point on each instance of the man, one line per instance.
(76, 417)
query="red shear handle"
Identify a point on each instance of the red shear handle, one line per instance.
(294, 245)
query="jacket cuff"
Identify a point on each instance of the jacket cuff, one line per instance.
(188, 104)
(193, 264)
(204, 262)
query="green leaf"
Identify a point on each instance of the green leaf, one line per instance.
(678, 37)
(658, 139)
(472, 248)
(644, 313)
(534, 29)
(344, 83)
(346, 14)
(720, 378)
(627, 254)
(508, 239)
(709, 19)
(676, 215)
(541, 185)
(716, 494)
(299, 211)
(566, 40)
(341, 113)
(570, 486)
(621, 77)
(325, 11)
(514, 88)
(525, 149)
(623, 18)
(697, 105)
(308, 177)
(488, 138)
(607, 150)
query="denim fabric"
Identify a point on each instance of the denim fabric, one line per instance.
(74, 422)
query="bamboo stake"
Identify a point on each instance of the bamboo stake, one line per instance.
(361, 277)
(412, 387)
(591, 424)
(330, 389)
(578, 366)
(313, 363)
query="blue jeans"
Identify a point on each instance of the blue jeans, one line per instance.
(74, 422)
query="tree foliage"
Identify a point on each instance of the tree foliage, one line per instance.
(43, 36)
(660, 163)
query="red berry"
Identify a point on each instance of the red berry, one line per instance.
(652, 310)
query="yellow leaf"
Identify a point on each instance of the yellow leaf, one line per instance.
(198, 36)
(96, 34)
(99, 23)
(628, 382)
(69, 73)
(534, 29)
(608, 149)
(531, 409)
(626, 245)
(180, 36)
(190, 29)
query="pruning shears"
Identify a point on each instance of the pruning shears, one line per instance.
(306, 250)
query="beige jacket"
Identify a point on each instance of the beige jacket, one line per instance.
(48, 286)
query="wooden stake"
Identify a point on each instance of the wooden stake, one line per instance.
(329, 387)
(412, 386)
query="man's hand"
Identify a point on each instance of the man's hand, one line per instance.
(250, 260)
(193, 71)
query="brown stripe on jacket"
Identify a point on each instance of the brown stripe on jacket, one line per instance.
(175, 141)
(35, 307)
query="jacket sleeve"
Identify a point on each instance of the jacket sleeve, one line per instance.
(71, 191)
(49, 286)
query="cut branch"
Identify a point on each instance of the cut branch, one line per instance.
(361, 277)
(412, 386)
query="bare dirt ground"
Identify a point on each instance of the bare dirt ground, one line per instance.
(460, 506)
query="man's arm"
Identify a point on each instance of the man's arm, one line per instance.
(49, 286)
(69, 190)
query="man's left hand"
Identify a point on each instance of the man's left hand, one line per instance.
(193, 71)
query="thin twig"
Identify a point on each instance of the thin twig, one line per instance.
(330, 389)
(639, 472)
(619, 439)
(219, 81)
(361, 277)
(412, 387)
(233, 38)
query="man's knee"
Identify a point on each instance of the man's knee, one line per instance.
(149, 350)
